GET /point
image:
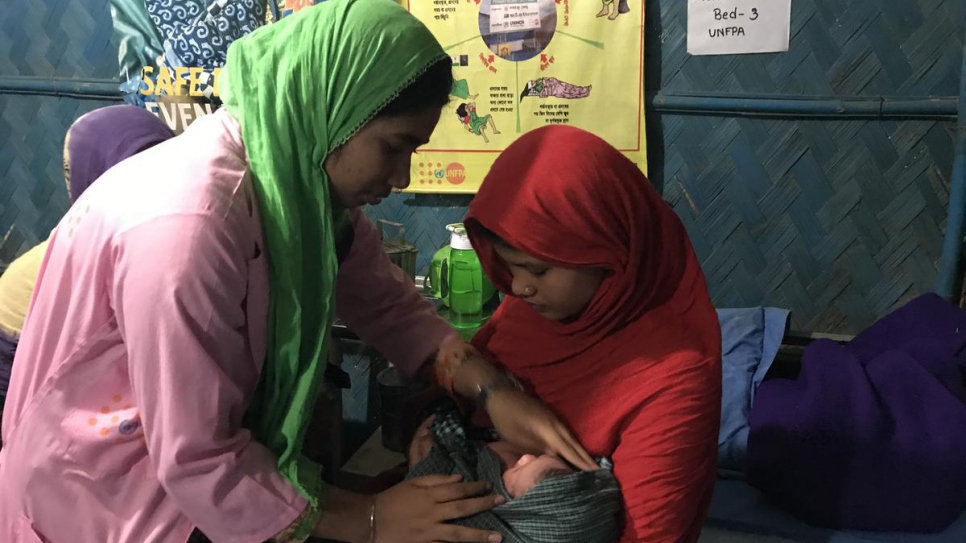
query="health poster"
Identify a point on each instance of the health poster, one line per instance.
(522, 64)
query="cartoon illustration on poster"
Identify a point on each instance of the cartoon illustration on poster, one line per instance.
(613, 8)
(522, 64)
(545, 87)
(518, 65)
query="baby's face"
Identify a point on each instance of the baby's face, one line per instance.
(530, 470)
(526, 470)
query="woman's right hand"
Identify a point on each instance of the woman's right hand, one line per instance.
(527, 423)
(416, 511)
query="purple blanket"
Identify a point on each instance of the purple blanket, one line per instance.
(872, 434)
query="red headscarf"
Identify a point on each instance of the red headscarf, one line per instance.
(569, 198)
(637, 376)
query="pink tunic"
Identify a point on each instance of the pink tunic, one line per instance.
(143, 346)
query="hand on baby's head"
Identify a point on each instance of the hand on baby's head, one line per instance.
(530, 470)
(524, 471)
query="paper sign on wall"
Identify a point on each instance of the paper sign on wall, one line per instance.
(735, 27)
(514, 16)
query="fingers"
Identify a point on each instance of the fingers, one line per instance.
(453, 533)
(419, 450)
(429, 481)
(424, 427)
(468, 507)
(419, 441)
(454, 492)
(422, 432)
(580, 457)
(567, 447)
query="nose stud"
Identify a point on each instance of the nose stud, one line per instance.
(529, 291)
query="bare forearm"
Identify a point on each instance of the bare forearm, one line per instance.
(345, 516)
(462, 370)
(475, 373)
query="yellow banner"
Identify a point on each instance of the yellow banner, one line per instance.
(523, 64)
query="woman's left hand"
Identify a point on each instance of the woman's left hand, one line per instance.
(527, 423)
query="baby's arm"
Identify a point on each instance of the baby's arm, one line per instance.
(422, 443)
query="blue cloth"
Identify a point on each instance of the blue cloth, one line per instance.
(750, 338)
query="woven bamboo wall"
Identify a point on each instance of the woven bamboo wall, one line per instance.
(51, 39)
(837, 220)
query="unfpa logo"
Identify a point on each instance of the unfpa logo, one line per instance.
(455, 173)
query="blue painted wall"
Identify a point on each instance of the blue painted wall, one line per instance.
(838, 220)
(50, 39)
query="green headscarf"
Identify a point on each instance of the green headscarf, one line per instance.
(300, 88)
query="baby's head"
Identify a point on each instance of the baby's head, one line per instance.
(530, 470)
(524, 471)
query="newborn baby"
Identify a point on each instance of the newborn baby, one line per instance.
(522, 471)
(547, 500)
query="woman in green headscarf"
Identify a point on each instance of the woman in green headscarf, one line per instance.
(177, 337)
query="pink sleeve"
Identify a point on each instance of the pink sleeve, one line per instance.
(379, 302)
(179, 292)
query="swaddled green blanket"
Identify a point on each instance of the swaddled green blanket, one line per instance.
(581, 507)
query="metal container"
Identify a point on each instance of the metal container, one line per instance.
(401, 252)
(398, 407)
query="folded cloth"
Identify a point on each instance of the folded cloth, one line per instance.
(872, 434)
(581, 507)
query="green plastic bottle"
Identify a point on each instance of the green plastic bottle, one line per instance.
(457, 279)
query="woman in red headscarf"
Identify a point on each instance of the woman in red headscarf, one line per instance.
(608, 319)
